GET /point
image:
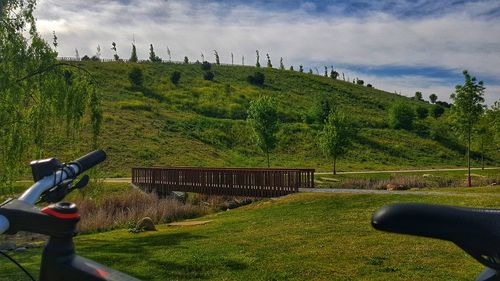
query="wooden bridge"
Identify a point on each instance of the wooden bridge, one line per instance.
(252, 182)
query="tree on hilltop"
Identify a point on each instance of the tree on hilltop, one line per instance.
(133, 55)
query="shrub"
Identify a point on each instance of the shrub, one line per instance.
(369, 85)
(136, 77)
(175, 77)
(422, 112)
(437, 111)
(401, 116)
(206, 65)
(360, 82)
(256, 79)
(208, 75)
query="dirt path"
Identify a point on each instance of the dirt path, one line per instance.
(404, 192)
(405, 171)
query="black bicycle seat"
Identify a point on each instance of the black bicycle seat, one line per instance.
(476, 231)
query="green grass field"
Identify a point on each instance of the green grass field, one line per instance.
(297, 237)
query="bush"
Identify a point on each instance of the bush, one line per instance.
(360, 82)
(437, 111)
(422, 112)
(136, 77)
(208, 75)
(256, 79)
(369, 86)
(206, 65)
(175, 77)
(401, 116)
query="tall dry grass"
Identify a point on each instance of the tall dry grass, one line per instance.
(402, 182)
(125, 209)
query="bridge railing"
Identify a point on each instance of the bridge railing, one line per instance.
(254, 182)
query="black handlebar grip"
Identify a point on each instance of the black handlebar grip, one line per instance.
(90, 160)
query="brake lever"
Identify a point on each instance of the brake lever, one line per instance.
(58, 193)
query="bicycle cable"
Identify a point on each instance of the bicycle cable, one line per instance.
(18, 264)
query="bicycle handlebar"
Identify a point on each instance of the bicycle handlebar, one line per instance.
(72, 170)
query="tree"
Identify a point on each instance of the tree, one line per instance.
(232, 59)
(418, 96)
(360, 82)
(115, 55)
(152, 55)
(133, 55)
(175, 77)
(282, 66)
(301, 68)
(467, 110)
(334, 74)
(136, 77)
(169, 54)
(39, 95)
(217, 61)
(336, 137)
(433, 98)
(257, 64)
(310, 71)
(186, 60)
(269, 64)
(263, 118)
(401, 116)
(291, 68)
(206, 65)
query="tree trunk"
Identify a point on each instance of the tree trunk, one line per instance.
(469, 181)
(334, 165)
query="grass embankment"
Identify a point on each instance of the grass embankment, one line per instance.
(298, 237)
(202, 123)
(410, 180)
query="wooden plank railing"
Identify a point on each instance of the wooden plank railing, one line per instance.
(253, 182)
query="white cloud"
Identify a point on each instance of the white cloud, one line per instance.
(453, 41)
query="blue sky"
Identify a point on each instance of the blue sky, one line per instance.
(397, 45)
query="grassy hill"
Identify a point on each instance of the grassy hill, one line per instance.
(202, 123)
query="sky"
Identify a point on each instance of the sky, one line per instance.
(399, 46)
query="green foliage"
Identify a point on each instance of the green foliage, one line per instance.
(436, 111)
(217, 59)
(334, 74)
(282, 66)
(135, 105)
(360, 82)
(175, 77)
(269, 64)
(133, 55)
(263, 117)
(418, 96)
(301, 68)
(136, 77)
(206, 66)
(322, 110)
(336, 137)
(433, 98)
(467, 109)
(401, 116)
(186, 60)
(257, 78)
(152, 55)
(422, 112)
(40, 98)
(208, 75)
(257, 63)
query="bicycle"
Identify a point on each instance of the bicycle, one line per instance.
(476, 231)
(53, 181)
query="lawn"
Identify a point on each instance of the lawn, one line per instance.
(298, 237)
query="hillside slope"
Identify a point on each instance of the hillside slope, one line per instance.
(202, 123)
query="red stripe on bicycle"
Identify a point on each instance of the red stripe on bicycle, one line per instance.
(56, 214)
